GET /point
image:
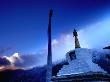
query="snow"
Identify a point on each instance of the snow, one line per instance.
(100, 54)
(84, 62)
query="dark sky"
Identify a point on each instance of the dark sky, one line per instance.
(23, 23)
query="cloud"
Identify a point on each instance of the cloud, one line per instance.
(97, 35)
(63, 44)
(31, 60)
(4, 61)
(3, 50)
(23, 61)
(92, 36)
(27, 61)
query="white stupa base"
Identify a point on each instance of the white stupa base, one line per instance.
(82, 64)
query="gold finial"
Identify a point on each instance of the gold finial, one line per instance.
(75, 35)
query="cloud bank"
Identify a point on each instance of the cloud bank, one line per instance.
(4, 61)
(19, 60)
(92, 36)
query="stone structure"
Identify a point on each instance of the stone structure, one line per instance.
(80, 61)
(81, 66)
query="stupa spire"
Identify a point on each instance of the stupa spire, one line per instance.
(75, 35)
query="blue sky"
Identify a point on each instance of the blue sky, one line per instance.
(23, 23)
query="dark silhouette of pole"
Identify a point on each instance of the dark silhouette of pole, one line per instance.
(49, 57)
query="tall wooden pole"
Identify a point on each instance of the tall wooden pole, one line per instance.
(49, 57)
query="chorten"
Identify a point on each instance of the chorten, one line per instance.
(81, 66)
